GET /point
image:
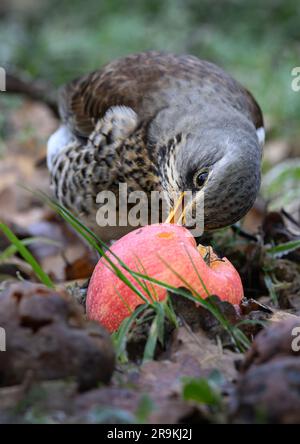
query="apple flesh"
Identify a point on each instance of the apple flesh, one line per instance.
(158, 250)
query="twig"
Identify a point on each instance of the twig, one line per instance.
(34, 89)
(290, 218)
(242, 233)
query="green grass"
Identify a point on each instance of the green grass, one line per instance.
(12, 249)
(283, 249)
(20, 246)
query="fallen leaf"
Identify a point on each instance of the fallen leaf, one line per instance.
(47, 334)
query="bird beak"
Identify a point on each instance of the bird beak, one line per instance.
(177, 213)
(183, 211)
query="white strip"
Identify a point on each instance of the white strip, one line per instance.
(57, 142)
(261, 135)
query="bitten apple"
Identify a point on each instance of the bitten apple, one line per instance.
(158, 250)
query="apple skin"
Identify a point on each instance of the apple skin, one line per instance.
(147, 250)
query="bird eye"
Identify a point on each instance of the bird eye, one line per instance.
(200, 178)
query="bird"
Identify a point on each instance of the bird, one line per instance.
(157, 121)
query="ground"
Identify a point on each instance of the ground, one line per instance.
(59, 367)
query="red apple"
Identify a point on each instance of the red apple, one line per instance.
(154, 250)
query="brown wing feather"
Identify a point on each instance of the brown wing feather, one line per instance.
(140, 81)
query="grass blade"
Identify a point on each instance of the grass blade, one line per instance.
(283, 249)
(12, 249)
(120, 337)
(156, 333)
(27, 256)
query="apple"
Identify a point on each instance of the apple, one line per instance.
(158, 250)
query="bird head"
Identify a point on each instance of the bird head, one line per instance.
(218, 160)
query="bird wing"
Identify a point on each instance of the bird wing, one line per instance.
(143, 82)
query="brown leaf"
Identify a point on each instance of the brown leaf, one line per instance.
(161, 381)
(273, 342)
(269, 393)
(209, 354)
(47, 334)
(81, 268)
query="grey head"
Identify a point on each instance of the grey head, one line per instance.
(216, 154)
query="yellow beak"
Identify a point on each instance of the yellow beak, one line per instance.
(177, 214)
